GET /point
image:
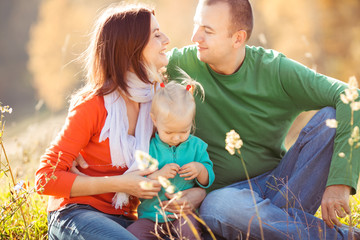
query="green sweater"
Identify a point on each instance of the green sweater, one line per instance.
(260, 101)
(192, 150)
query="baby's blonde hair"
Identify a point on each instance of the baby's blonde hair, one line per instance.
(176, 99)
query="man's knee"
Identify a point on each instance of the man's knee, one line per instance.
(228, 203)
(228, 211)
(328, 112)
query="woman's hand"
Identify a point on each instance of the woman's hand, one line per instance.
(131, 184)
(191, 199)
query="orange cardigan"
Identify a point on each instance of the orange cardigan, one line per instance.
(80, 134)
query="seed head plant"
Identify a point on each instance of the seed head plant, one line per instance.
(20, 215)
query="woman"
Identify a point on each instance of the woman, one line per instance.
(111, 110)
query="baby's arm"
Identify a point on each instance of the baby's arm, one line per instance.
(195, 170)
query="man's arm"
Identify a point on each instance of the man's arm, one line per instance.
(191, 199)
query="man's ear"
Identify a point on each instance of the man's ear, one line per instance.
(239, 38)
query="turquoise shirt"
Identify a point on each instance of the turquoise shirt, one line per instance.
(260, 101)
(192, 150)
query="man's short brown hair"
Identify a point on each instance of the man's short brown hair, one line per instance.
(241, 15)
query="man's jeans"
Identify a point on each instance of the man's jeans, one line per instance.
(77, 221)
(286, 197)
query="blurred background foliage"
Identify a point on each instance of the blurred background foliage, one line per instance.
(41, 40)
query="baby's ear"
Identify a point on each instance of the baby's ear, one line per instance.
(153, 118)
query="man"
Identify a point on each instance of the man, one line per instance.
(259, 93)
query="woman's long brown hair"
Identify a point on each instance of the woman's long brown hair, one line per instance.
(116, 45)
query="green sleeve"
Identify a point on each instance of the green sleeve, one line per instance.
(310, 91)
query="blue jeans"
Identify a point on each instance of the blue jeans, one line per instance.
(286, 197)
(77, 221)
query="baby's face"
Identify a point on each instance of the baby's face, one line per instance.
(174, 131)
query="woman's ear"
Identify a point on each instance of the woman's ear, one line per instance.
(239, 38)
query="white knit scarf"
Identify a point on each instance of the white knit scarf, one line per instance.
(116, 127)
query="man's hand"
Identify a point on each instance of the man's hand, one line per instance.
(79, 161)
(190, 200)
(335, 202)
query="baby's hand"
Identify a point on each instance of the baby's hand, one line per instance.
(169, 170)
(191, 170)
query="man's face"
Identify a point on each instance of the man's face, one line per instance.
(211, 33)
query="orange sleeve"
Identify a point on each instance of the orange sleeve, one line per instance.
(82, 122)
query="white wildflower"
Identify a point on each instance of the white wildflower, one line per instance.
(6, 109)
(341, 154)
(19, 186)
(331, 123)
(166, 184)
(351, 94)
(262, 39)
(145, 161)
(170, 189)
(355, 106)
(231, 150)
(353, 84)
(308, 55)
(355, 133)
(146, 185)
(178, 195)
(351, 142)
(233, 142)
(344, 99)
(164, 181)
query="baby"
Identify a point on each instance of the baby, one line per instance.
(182, 159)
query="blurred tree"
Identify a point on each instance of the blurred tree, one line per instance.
(322, 34)
(15, 88)
(59, 37)
(339, 35)
(56, 40)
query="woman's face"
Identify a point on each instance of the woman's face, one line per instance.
(154, 51)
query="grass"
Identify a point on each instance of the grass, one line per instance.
(34, 211)
(31, 221)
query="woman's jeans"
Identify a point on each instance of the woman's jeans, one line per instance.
(286, 197)
(77, 221)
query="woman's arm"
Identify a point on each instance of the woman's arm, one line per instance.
(128, 183)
